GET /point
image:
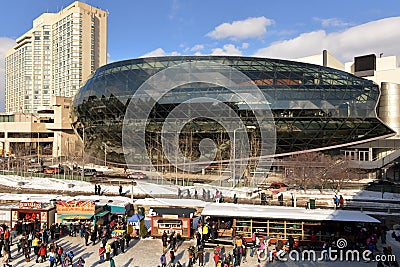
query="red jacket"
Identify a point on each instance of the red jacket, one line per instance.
(7, 234)
(102, 251)
(42, 251)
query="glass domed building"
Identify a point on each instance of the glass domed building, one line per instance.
(313, 107)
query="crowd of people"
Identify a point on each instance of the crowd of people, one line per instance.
(41, 245)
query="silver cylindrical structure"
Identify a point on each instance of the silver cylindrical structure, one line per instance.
(389, 106)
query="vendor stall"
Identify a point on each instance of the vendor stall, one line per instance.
(134, 224)
(178, 220)
(32, 215)
(75, 211)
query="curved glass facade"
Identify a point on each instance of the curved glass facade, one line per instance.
(314, 107)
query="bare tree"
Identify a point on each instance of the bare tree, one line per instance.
(340, 172)
(306, 168)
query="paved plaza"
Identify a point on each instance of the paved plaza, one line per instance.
(146, 253)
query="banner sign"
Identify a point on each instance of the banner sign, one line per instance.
(75, 207)
(30, 205)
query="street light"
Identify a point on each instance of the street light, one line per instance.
(234, 152)
(105, 154)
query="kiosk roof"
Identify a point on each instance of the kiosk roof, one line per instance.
(278, 212)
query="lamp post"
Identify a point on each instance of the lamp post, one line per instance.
(234, 153)
(105, 154)
(83, 153)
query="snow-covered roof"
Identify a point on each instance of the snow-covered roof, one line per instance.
(103, 200)
(277, 212)
(170, 202)
(41, 198)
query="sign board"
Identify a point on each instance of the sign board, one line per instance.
(170, 216)
(75, 207)
(30, 205)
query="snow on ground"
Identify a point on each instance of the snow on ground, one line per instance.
(82, 186)
(143, 187)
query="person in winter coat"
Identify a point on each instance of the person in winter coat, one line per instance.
(171, 257)
(42, 253)
(200, 256)
(163, 260)
(86, 237)
(108, 251)
(35, 245)
(71, 256)
(115, 246)
(122, 244)
(81, 262)
(112, 263)
(6, 259)
(93, 237)
(52, 258)
(341, 201)
(102, 252)
(164, 239)
(60, 252)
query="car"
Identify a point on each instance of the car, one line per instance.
(381, 182)
(277, 187)
(36, 169)
(137, 175)
(53, 170)
(89, 172)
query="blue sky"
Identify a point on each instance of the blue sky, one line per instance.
(278, 29)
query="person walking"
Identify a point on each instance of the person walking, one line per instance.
(120, 190)
(336, 201)
(163, 260)
(122, 244)
(341, 201)
(93, 237)
(200, 255)
(112, 262)
(52, 258)
(235, 200)
(108, 251)
(191, 257)
(6, 259)
(171, 257)
(115, 246)
(102, 252)
(164, 239)
(42, 253)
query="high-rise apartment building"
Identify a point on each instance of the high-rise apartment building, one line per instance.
(54, 57)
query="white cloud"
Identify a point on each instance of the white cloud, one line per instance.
(333, 22)
(381, 36)
(241, 29)
(5, 45)
(197, 47)
(245, 45)
(227, 50)
(159, 52)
